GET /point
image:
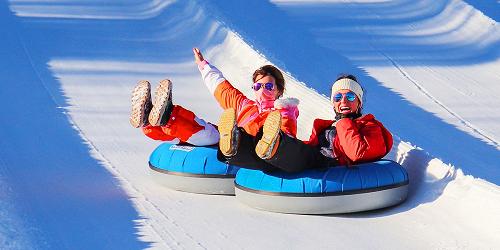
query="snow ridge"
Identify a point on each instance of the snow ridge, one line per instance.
(433, 99)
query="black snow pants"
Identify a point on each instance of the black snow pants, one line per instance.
(292, 155)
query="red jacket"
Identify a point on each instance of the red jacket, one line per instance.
(359, 140)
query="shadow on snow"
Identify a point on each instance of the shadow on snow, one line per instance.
(67, 197)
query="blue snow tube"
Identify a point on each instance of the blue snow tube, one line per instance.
(192, 169)
(327, 191)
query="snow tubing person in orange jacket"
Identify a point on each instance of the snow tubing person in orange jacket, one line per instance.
(349, 139)
(162, 120)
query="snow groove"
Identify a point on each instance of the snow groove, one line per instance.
(433, 99)
(134, 191)
(168, 239)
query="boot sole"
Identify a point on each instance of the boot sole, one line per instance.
(272, 127)
(227, 123)
(141, 95)
(162, 94)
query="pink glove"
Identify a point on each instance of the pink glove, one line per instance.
(288, 107)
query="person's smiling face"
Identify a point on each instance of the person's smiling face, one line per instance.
(262, 91)
(342, 104)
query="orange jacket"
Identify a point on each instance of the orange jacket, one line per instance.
(250, 114)
(359, 140)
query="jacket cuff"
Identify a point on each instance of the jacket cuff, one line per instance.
(201, 65)
(286, 103)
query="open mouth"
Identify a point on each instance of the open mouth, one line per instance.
(345, 110)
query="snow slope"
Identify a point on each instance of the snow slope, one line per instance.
(81, 177)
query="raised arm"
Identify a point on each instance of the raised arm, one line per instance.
(227, 95)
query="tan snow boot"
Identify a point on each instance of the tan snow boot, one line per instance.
(268, 144)
(229, 134)
(162, 104)
(141, 104)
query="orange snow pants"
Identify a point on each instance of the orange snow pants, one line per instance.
(184, 126)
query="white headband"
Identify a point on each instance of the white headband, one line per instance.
(346, 83)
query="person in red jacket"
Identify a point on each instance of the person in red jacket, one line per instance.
(349, 139)
(162, 120)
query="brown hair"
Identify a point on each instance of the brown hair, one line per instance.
(270, 70)
(348, 76)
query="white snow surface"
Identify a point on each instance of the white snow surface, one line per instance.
(74, 173)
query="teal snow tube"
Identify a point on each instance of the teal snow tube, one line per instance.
(334, 190)
(193, 169)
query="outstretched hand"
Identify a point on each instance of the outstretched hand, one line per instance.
(198, 57)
